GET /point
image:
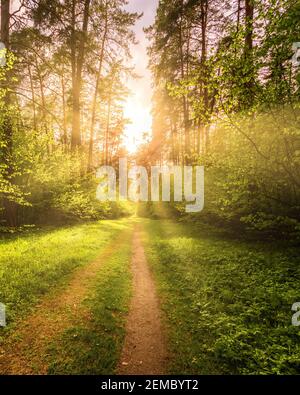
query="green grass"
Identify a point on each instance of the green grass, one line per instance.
(31, 265)
(227, 302)
(94, 347)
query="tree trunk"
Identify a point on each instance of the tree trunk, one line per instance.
(63, 88)
(187, 144)
(249, 16)
(5, 19)
(107, 129)
(10, 208)
(74, 135)
(173, 142)
(77, 72)
(204, 11)
(238, 22)
(33, 97)
(94, 106)
(43, 106)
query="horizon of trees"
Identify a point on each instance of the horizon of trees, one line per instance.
(226, 95)
(62, 94)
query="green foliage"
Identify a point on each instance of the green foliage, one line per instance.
(61, 108)
(94, 346)
(227, 303)
(232, 105)
(50, 187)
(32, 264)
(254, 173)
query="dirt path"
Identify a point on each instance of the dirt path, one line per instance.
(25, 350)
(144, 350)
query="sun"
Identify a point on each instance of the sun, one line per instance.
(140, 124)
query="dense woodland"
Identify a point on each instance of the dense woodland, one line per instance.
(226, 96)
(61, 105)
(225, 281)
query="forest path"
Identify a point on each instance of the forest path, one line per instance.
(144, 350)
(25, 350)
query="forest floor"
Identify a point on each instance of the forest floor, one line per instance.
(141, 296)
(145, 350)
(49, 338)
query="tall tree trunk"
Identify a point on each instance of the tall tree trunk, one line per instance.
(5, 19)
(107, 129)
(43, 106)
(204, 16)
(198, 141)
(238, 22)
(77, 72)
(94, 105)
(173, 140)
(63, 88)
(249, 17)
(9, 206)
(33, 97)
(109, 108)
(185, 105)
(74, 137)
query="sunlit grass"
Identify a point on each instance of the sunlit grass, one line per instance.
(227, 302)
(94, 346)
(32, 265)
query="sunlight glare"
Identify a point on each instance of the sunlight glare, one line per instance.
(141, 124)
